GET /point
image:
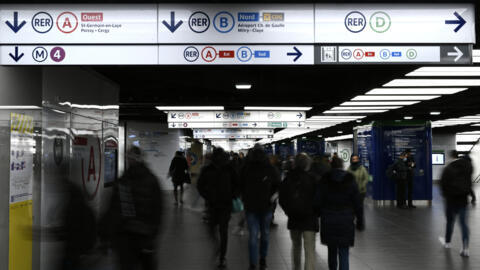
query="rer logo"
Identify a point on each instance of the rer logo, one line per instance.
(380, 22)
(191, 54)
(42, 22)
(224, 22)
(355, 22)
(67, 22)
(199, 22)
(39, 54)
(346, 54)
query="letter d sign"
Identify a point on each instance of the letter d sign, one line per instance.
(380, 22)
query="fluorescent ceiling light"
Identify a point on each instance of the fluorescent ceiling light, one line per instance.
(339, 132)
(339, 138)
(408, 117)
(256, 108)
(344, 108)
(317, 117)
(379, 103)
(415, 91)
(190, 108)
(358, 111)
(445, 71)
(19, 107)
(435, 113)
(432, 82)
(243, 86)
(390, 97)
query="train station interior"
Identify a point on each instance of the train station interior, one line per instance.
(84, 83)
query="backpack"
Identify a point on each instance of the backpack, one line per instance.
(292, 197)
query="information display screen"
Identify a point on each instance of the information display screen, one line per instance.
(438, 159)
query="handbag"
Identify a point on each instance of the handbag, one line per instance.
(188, 178)
(237, 205)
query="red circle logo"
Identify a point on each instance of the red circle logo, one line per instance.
(358, 54)
(209, 54)
(67, 22)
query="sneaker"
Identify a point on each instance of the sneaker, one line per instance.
(443, 242)
(465, 253)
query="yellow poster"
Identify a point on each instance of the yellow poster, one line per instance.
(22, 148)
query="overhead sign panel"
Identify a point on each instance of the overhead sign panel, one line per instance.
(232, 133)
(79, 24)
(237, 55)
(241, 116)
(79, 55)
(238, 23)
(395, 23)
(239, 124)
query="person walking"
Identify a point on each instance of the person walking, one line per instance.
(361, 175)
(410, 162)
(338, 201)
(456, 186)
(260, 182)
(218, 184)
(297, 193)
(132, 221)
(398, 172)
(178, 171)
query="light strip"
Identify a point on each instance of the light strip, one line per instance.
(190, 108)
(357, 111)
(254, 108)
(392, 98)
(379, 103)
(20, 107)
(445, 71)
(342, 108)
(415, 91)
(432, 82)
(243, 86)
(339, 138)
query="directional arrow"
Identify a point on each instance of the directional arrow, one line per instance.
(255, 124)
(16, 57)
(457, 53)
(460, 22)
(297, 53)
(300, 115)
(173, 125)
(218, 115)
(15, 27)
(299, 124)
(172, 26)
(174, 115)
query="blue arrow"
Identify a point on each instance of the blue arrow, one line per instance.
(297, 53)
(300, 115)
(16, 57)
(15, 27)
(461, 22)
(174, 115)
(172, 26)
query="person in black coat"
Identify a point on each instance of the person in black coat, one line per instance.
(339, 203)
(400, 176)
(297, 193)
(179, 172)
(456, 185)
(218, 184)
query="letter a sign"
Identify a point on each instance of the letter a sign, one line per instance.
(67, 22)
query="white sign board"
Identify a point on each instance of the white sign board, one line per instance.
(238, 23)
(237, 55)
(369, 54)
(261, 125)
(241, 116)
(79, 55)
(394, 23)
(232, 133)
(86, 23)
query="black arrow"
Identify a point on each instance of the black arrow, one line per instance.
(15, 27)
(255, 124)
(174, 115)
(16, 57)
(297, 53)
(218, 115)
(299, 124)
(461, 22)
(172, 26)
(300, 115)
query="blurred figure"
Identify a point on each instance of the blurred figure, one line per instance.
(456, 185)
(398, 172)
(297, 193)
(179, 172)
(133, 219)
(218, 185)
(260, 182)
(236, 163)
(410, 175)
(320, 166)
(338, 201)
(361, 175)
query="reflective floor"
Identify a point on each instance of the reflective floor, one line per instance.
(393, 239)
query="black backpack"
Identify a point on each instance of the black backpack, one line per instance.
(292, 196)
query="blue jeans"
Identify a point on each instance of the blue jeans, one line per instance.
(336, 254)
(452, 212)
(258, 223)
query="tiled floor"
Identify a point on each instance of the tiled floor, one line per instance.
(394, 239)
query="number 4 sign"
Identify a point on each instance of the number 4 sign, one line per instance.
(57, 54)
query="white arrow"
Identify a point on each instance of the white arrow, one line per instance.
(458, 53)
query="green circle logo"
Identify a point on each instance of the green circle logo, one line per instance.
(380, 22)
(411, 54)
